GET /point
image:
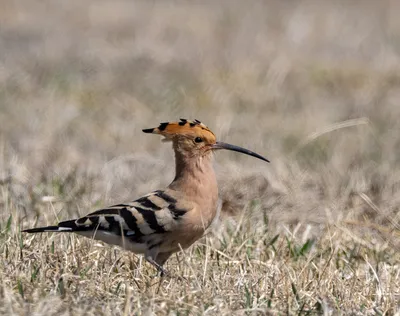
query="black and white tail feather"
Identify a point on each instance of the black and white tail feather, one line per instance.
(67, 226)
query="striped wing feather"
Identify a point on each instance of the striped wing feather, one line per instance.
(155, 213)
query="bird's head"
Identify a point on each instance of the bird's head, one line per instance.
(194, 139)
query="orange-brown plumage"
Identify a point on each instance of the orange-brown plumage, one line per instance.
(184, 128)
(163, 221)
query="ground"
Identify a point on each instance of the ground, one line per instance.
(312, 85)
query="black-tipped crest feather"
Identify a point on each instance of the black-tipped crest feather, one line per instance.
(148, 130)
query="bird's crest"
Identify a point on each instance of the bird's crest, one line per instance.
(184, 127)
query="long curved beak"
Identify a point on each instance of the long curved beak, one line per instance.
(221, 145)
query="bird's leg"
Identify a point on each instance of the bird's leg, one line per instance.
(158, 266)
(162, 258)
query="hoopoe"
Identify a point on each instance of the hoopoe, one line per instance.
(164, 221)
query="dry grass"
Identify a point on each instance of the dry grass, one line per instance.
(312, 85)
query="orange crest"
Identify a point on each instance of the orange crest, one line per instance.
(184, 127)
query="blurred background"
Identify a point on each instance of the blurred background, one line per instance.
(312, 85)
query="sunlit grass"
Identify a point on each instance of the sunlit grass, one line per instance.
(314, 232)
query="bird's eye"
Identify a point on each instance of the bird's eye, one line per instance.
(198, 139)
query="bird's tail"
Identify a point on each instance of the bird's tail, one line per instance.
(67, 226)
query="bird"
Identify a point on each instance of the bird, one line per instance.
(163, 221)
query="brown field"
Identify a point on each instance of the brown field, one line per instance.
(312, 85)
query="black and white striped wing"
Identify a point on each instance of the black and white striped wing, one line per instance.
(153, 214)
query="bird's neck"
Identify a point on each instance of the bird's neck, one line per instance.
(195, 178)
